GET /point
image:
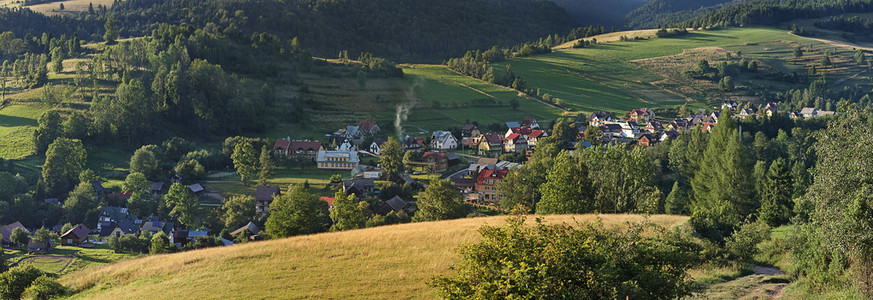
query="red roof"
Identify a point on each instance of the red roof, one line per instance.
(436, 156)
(536, 133)
(367, 124)
(281, 144)
(516, 138)
(494, 174)
(305, 145)
(638, 112)
(522, 130)
(329, 200)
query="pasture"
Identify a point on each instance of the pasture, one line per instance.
(17, 124)
(621, 75)
(389, 262)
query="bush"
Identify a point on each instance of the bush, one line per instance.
(16, 280)
(585, 261)
(44, 288)
(742, 245)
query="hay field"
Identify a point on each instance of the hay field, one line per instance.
(390, 262)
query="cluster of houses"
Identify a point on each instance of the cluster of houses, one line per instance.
(518, 138)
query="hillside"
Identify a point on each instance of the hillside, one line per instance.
(663, 12)
(385, 262)
(621, 75)
(599, 12)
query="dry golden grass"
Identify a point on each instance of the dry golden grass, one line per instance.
(391, 262)
(612, 37)
(71, 7)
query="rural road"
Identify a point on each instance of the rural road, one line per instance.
(833, 42)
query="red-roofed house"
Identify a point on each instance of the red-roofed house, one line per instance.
(329, 201)
(523, 131)
(486, 184)
(515, 143)
(534, 136)
(641, 115)
(368, 127)
(439, 161)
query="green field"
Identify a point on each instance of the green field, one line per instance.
(17, 123)
(67, 259)
(607, 76)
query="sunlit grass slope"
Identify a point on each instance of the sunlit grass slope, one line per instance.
(391, 262)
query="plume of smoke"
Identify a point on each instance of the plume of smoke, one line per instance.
(404, 107)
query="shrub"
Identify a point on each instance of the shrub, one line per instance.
(742, 245)
(585, 261)
(44, 288)
(16, 280)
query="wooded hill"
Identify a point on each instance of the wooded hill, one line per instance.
(409, 31)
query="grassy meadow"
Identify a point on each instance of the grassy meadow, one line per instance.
(619, 75)
(67, 259)
(17, 124)
(390, 262)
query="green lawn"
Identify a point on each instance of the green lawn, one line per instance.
(57, 261)
(17, 123)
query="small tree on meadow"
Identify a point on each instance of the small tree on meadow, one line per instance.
(19, 236)
(440, 201)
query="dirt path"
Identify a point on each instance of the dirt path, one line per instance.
(765, 283)
(835, 43)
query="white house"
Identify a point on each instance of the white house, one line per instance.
(376, 146)
(443, 140)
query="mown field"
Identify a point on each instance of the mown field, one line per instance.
(17, 123)
(390, 262)
(608, 76)
(67, 259)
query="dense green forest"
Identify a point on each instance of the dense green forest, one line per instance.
(662, 12)
(411, 31)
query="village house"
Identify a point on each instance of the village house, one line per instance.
(677, 125)
(771, 109)
(465, 185)
(412, 144)
(534, 136)
(112, 214)
(745, 112)
(368, 127)
(359, 187)
(669, 135)
(486, 185)
(438, 161)
(470, 130)
(629, 129)
(34, 247)
(182, 237)
(642, 115)
(264, 196)
(810, 112)
(530, 123)
(397, 204)
(75, 236)
(155, 225)
(376, 146)
(729, 104)
(443, 140)
(118, 228)
(611, 130)
(599, 117)
(654, 127)
(337, 160)
(523, 131)
(197, 189)
(289, 148)
(708, 126)
(515, 143)
(344, 144)
(156, 188)
(471, 142)
(329, 201)
(647, 140)
(6, 232)
(369, 172)
(250, 228)
(490, 145)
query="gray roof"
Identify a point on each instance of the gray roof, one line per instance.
(397, 204)
(266, 193)
(512, 124)
(196, 188)
(251, 227)
(352, 156)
